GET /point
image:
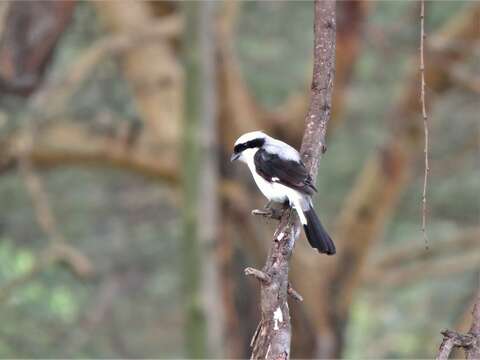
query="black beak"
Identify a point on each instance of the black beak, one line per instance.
(234, 156)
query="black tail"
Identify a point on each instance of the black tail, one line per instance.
(316, 234)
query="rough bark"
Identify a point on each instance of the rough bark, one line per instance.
(273, 336)
(320, 109)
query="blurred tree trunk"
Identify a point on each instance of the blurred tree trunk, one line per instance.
(208, 214)
(195, 326)
(31, 32)
(373, 198)
(351, 16)
(155, 76)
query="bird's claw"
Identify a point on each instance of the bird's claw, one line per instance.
(261, 212)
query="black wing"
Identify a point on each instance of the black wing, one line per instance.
(287, 172)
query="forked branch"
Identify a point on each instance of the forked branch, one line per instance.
(273, 336)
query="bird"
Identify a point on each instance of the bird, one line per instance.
(282, 177)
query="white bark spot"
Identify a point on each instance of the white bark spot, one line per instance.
(268, 351)
(277, 318)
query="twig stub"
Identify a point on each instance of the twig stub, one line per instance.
(294, 293)
(258, 274)
(270, 213)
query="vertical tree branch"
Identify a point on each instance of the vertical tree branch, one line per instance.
(319, 111)
(425, 120)
(273, 337)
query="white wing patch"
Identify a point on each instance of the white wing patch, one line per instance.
(277, 318)
(282, 149)
(275, 178)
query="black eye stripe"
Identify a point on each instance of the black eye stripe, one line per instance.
(238, 148)
(255, 143)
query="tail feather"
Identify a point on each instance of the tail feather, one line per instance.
(316, 234)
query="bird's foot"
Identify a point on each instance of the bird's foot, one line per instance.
(269, 212)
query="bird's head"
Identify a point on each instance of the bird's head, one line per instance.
(248, 144)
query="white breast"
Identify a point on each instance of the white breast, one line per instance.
(272, 191)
